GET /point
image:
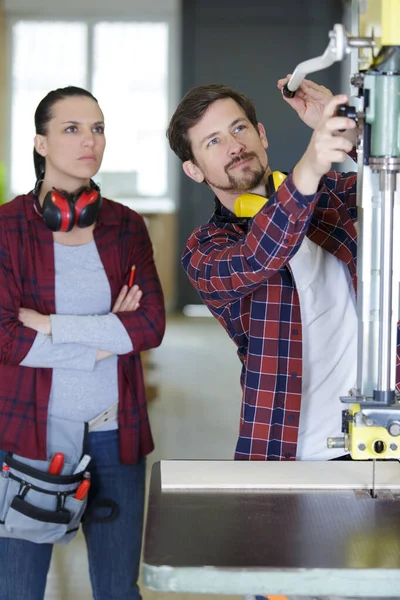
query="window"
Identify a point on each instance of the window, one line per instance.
(125, 65)
(130, 81)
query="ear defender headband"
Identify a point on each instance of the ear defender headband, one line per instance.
(62, 211)
(248, 205)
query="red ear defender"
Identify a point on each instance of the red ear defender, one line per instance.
(87, 205)
(61, 211)
(58, 211)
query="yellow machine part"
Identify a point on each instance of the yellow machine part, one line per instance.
(248, 205)
(390, 22)
(361, 440)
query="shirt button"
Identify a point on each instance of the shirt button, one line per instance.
(290, 418)
(295, 331)
(288, 455)
(293, 375)
(286, 241)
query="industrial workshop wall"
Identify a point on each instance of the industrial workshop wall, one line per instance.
(249, 46)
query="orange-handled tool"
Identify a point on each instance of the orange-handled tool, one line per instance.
(82, 489)
(57, 463)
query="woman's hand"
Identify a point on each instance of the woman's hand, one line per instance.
(34, 320)
(309, 101)
(128, 299)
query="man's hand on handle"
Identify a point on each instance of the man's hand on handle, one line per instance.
(309, 101)
(326, 146)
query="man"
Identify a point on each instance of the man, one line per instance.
(280, 283)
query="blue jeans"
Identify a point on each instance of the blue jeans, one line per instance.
(113, 547)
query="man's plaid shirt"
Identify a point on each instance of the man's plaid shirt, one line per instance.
(240, 269)
(27, 279)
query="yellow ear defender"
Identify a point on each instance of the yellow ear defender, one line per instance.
(248, 205)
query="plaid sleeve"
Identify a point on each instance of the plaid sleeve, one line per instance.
(146, 325)
(339, 189)
(15, 339)
(223, 264)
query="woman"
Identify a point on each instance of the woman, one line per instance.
(71, 330)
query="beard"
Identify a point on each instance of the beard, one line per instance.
(249, 179)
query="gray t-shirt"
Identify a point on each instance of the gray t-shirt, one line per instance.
(82, 387)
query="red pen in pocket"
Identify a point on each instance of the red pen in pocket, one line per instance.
(57, 463)
(132, 276)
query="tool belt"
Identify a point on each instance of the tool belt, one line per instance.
(39, 506)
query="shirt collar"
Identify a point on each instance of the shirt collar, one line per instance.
(33, 210)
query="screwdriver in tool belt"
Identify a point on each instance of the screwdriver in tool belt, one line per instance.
(57, 463)
(83, 488)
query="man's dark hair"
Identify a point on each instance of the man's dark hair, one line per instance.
(191, 109)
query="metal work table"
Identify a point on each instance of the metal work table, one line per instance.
(293, 528)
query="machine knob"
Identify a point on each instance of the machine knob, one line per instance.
(287, 93)
(344, 110)
(394, 428)
(379, 447)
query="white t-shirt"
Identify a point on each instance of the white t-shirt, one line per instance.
(329, 323)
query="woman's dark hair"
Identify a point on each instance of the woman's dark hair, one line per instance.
(191, 109)
(43, 115)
